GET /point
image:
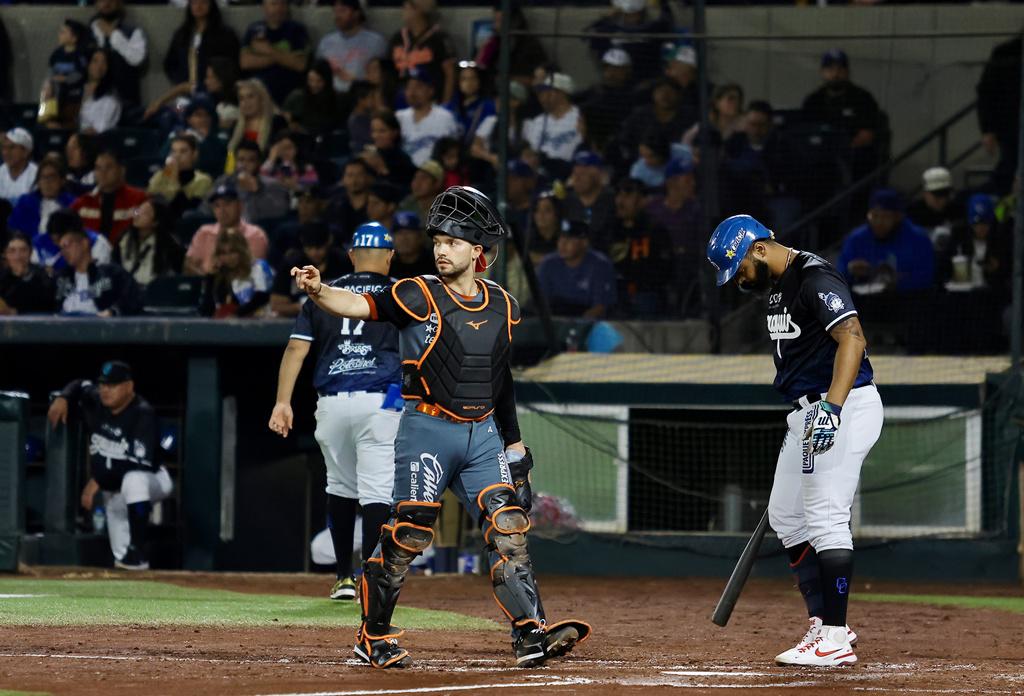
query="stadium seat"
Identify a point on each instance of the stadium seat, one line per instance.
(138, 170)
(50, 140)
(173, 295)
(24, 114)
(137, 143)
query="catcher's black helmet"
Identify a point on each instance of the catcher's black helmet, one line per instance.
(465, 213)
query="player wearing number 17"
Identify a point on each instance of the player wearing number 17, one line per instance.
(822, 367)
(458, 430)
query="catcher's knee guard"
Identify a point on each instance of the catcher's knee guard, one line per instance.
(406, 535)
(505, 525)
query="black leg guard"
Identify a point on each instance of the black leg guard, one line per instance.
(505, 525)
(403, 538)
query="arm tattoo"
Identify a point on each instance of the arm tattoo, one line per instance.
(849, 327)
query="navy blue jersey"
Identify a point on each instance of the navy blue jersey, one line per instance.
(807, 302)
(351, 355)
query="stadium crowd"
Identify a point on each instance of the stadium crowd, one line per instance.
(268, 150)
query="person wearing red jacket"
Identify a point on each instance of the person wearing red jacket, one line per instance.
(108, 208)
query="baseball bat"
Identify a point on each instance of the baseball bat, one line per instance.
(726, 603)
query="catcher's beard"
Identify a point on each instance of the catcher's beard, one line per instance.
(455, 268)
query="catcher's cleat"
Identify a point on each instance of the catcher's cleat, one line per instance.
(560, 638)
(345, 588)
(830, 647)
(529, 648)
(383, 652)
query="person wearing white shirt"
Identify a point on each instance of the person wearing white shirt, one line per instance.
(101, 107)
(554, 134)
(423, 122)
(18, 173)
(127, 44)
(351, 47)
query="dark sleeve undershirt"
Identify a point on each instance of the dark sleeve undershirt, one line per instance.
(505, 410)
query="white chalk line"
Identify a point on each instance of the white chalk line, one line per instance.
(445, 689)
(22, 596)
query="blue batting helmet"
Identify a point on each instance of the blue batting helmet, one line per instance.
(730, 242)
(372, 235)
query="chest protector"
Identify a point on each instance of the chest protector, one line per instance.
(463, 368)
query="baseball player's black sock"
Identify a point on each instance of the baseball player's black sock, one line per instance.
(836, 575)
(374, 517)
(803, 561)
(341, 520)
(138, 521)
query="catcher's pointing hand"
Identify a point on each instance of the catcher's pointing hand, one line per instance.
(307, 279)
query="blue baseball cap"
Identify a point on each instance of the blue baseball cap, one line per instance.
(886, 199)
(421, 74)
(372, 235)
(586, 158)
(730, 243)
(518, 167)
(678, 167)
(835, 56)
(407, 220)
(980, 209)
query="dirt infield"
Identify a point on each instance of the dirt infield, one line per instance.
(650, 635)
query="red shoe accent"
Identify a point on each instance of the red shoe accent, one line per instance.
(819, 653)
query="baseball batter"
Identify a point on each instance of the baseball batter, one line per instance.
(357, 379)
(459, 429)
(123, 434)
(822, 367)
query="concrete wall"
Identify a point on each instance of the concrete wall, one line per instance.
(919, 82)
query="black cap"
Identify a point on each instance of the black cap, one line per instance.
(575, 229)
(225, 190)
(114, 372)
(387, 192)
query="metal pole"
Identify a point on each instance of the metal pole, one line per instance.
(1017, 312)
(705, 173)
(503, 120)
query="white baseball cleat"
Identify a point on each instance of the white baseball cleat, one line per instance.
(813, 626)
(828, 647)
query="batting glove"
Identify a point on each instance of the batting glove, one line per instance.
(821, 433)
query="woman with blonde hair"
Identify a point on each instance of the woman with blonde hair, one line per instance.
(239, 285)
(257, 116)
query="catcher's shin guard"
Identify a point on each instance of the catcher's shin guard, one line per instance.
(505, 525)
(403, 538)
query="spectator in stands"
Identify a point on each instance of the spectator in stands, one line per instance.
(422, 44)
(752, 165)
(633, 17)
(262, 198)
(227, 209)
(68, 65)
(412, 255)
(641, 253)
(427, 182)
(554, 135)
(547, 221)
(526, 53)
(678, 212)
(382, 203)
(610, 101)
(654, 152)
(589, 199)
(203, 123)
(520, 184)
(383, 75)
(127, 45)
(347, 207)
(18, 172)
(238, 285)
(384, 154)
(351, 46)
(485, 144)
(202, 37)
(448, 153)
(80, 156)
(681, 68)
(46, 245)
(725, 119)
(109, 207)
(256, 118)
(32, 210)
(6, 61)
(665, 112)
(423, 122)
(576, 280)
(25, 287)
(938, 209)
(362, 97)
(286, 164)
(470, 105)
(221, 86)
(90, 288)
(148, 249)
(310, 209)
(889, 252)
(980, 254)
(275, 50)
(315, 107)
(101, 105)
(844, 105)
(285, 297)
(999, 110)
(179, 182)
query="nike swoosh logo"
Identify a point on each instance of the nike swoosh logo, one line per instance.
(819, 653)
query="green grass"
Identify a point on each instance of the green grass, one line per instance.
(1013, 604)
(79, 602)
(6, 692)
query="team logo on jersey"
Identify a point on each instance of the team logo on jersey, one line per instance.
(476, 324)
(833, 301)
(429, 468)
(139, 449)
(349, 348)
(107, 448)
(781, 327)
